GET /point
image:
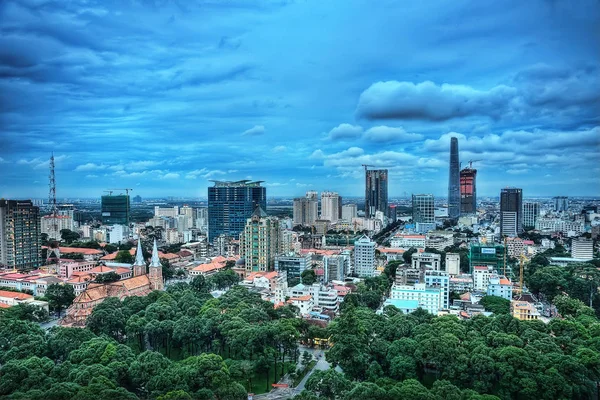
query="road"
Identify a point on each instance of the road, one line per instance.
(49, 324)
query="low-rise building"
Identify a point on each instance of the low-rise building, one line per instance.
(461, 283)
(406, 241)
(427, 261)
(500, 286)
(453, 264)
(582, 248)
(523, 310)
(481, 277)
(416, 296)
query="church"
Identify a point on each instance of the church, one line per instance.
(141, 284)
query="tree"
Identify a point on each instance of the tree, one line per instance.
(308, 277)
(60, 296)
(495, 304)
(108, 277)
(68, 236)
(125, 257)
(407, 255)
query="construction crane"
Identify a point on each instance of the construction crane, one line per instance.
(125, 189)
(471, 163)
(367, 166)
(109, 192)
(521, 259)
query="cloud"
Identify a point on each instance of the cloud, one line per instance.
(517, 171)
(429, 101)
(385, 134)
(3, 161)
(317, 155)
(279, 149)
(89, 167)
(91, 176)
(170, 175)
(204, 173)
(345, 131)
(256, 130)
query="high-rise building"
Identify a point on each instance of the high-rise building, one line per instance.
(230, 204)
(60, 222)
(511, 211)
(468, 191)
(454, 198)
(259, 242)
(166, 211)
(115, 210)
(349, 211)
(137, 199)
(20, 234)
(582, 248)
(423, 208)
(364, 257)
(531, 212)
(561, 203)
(306, 209)
(330, 206)
(376, 192)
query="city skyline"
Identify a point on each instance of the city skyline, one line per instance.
(295, 95)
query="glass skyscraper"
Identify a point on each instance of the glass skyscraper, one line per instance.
(453, 181)
(230, 204)
(511, 211)
(376, 192)
(115, 210)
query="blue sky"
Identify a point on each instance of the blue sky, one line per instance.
(162, 96)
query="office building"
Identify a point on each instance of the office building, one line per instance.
(424, 261)
(364, 257)
(336, 267)
(468, 191)
(489, 255)
(230, 204)
(53, 225)
(406, 241)
(454, 198)
(423, 209)
(20, 235)
(439, 280)
(511, 211)
(408, 298)
(137, 199)
(376, 192)
(531, 212)
(170, 212)
(115, 210)
(582, 248)
(259, 242)
(349, 211)
(481, 277)
(500, 286)
(293, 265)
(561, 203)
(306, 209)
(330, 206)
(453, 264)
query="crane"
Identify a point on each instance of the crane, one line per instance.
(125, 189)
(367, 166)
(471, 163)
(109, 192)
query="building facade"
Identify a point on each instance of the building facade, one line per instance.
(230, 204)
(454, 198)
(20, 235)
(259, 242)
(468, 191)
(349, 211)
(306, 209)
(582, 248)
(423, 208)
(531, 212)
(561, 203)
(364, 257)
(453, 263)
(376, 192)
(293, 265)
(511, 211)
(115, 210)
(330, 206)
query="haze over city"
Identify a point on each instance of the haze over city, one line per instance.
(164, 96)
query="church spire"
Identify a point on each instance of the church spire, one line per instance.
(155, 262)
(139, 266)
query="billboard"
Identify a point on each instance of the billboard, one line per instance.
(488, 250)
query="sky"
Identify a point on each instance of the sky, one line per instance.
(164, 96)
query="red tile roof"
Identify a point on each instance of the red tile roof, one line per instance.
(15, 295)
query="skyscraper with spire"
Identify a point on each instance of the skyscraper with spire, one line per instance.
(454, 181)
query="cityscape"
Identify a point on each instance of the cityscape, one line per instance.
(428, 240)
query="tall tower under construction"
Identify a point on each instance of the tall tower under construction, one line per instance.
(454, 181)
(376, 192)
(468, 191)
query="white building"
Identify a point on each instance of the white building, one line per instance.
(427, 261)
(481, 277)
(409, 298)
(500, 286)
(172, 236)
(330, 206)
(116, 233)
(166, 211)
(336, 267)
(582, 248)
(509, 223)
(323, 297)
(439, 280)
(364, 257)
(349, 211)
(453, 263)
(560, 225)
(61, 221)
(406, 241)
(306, 209)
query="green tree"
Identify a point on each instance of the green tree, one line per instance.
(308, 276)
(68, 236)
(60, 296)
(407, 255)
(125, 257)
(107, 278)
(495, 304)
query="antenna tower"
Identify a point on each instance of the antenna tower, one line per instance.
(54, 234)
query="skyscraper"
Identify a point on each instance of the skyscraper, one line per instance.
(468, 191)
(364, 257)
(423, 208)
(230, 204)
(20, 234)
(115, 210)
(511, 211)
(259, 242)
(330, 206)
(376, 192)
(531, 212)
(454, 198)
(306, 209)
(561, 203)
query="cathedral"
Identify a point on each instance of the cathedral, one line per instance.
(140, 284)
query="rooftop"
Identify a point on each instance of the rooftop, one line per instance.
(15, 295)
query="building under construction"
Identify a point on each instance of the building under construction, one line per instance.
(468, 191)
